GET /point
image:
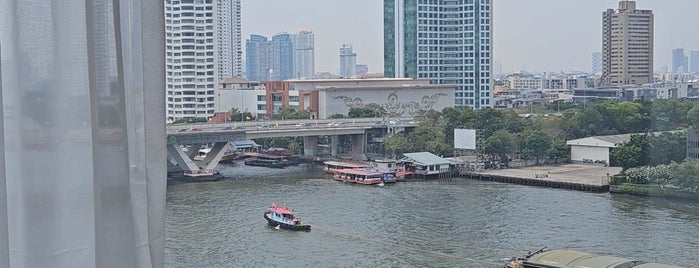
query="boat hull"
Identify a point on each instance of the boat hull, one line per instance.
(297, 227)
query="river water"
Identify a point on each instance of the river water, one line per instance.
(425, 223)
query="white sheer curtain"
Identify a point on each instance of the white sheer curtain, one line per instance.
(82, 155)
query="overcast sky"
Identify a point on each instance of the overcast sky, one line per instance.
(536, 35)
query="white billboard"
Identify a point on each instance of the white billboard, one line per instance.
(465, 139)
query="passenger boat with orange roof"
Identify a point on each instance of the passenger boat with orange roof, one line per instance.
(280, 216)
(366, 176)
(333, 166)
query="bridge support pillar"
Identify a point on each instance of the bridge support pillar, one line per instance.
(214, 156)
(358, 145)
(193, 150)
(310, 143)
(334, 143)
(183, 161)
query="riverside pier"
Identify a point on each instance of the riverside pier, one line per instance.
(589, 178)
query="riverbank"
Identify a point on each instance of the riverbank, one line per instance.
(652, 190)
(589, 178)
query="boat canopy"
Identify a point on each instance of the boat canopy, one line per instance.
(343, 164)
(605, 262)
(570, 258)
(656, 265)
(280, 209)
(558, 258)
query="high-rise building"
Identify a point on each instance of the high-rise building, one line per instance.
(269, 60)
(694, 62)
(190, 58)
(257, 58)
(361, 70)
(680, 64)
(304, 54)
(348, 61)
(627, 44)
(228, 39)
(282, 57)
(448, 41)
(596, 62)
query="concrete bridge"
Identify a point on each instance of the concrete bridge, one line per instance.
(197, 135)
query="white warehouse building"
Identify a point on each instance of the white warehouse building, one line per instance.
(595, 149)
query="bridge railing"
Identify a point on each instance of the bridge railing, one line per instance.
(283, 122)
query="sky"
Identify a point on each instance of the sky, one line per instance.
(531, 35)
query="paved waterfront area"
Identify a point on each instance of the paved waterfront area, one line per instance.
(569, 173)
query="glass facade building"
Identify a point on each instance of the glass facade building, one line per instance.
(447, 41)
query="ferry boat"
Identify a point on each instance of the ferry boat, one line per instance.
(265, 160)
(283, 217)
(366, 176)
(574, 259)
(332, 166)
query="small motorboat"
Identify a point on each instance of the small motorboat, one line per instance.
(282, 217)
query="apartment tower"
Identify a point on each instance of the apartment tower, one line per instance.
(348, 61)
(269, 60)
(627, 45)
(680, 63)
(228, 39)
(304, 54)
(694, 62)
(202, 46)
(448, 41)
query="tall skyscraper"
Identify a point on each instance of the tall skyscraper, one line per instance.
(596, 62)
(694, 62)
(304, 54)
(627, 44)
(348, 61)
(257, 58)
(447, 41)
(282, 56)
(228, 38)
(190, 58)
(269, 60)
(680, 64)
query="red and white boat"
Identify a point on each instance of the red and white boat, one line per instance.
(332, 166)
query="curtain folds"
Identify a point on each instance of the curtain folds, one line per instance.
(82, 155)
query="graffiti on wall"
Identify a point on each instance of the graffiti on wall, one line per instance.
(394, 106)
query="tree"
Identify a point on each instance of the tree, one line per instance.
(537, 144)
(558, 150)
(397, 144)
(237, 116)
(336, 116)
(500, 144)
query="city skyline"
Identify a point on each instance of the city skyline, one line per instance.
(522, 40)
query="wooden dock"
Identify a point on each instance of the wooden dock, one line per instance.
(589, 178)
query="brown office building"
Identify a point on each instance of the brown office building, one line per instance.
(627, 45)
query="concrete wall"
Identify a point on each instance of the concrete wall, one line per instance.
(578, 153)
(244, 100)
(398, 102)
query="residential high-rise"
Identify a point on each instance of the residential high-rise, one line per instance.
(448, 41)
(596, 62)
(282, 56)
(304, 54)
(348, 61)
(680, 64)
(228, 39)
(190, 58)
(257, 58)
(694, 62)
(269, 60)
(627, 44)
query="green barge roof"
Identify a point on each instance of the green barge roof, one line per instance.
(577, 259)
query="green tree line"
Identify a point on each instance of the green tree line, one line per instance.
(503, 134)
